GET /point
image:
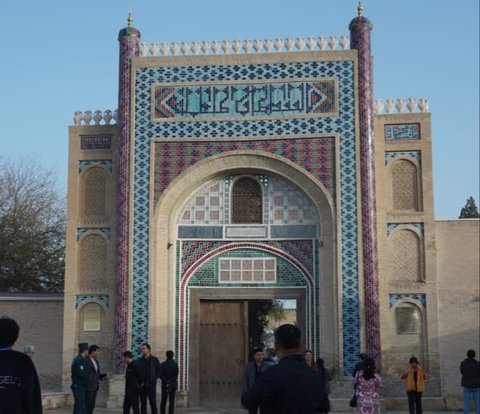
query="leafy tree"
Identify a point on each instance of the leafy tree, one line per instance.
(260, 313)
(32, 229)
(470, 210)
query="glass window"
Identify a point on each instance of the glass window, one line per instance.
(408, 319)
(92, 314)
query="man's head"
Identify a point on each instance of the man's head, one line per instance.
(258, 355)
(83, 348)
(169, 354)
(128, 357)
(471, 353)
(93, 351)
(146, 350)
(287, 340)
(29, 350)
(9, 331)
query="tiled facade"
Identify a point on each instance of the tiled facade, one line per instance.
(301, 126)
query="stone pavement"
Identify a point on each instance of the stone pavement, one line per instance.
(203, 411)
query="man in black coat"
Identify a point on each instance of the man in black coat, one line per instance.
(150, 370)
(169, 376)
(19, 385)
(470, 370)
(291, 386)
(94, 377)
(132, 384)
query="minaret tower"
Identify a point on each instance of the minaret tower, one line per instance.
(129, 39)
(360, 30)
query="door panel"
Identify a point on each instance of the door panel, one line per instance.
(223, 338)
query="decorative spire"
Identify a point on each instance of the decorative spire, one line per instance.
(360, 8)
(130, 19)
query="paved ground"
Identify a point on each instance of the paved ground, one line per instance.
(203, 411)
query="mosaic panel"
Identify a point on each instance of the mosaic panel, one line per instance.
(316, 155)
(80, 299)
(250, 100)
(200, 232)
(206, 205)
(391, 155)
(81, 231)
(213, 132)
(402, 131)
(95, 142)
(105, 164)
(392, 226)
(395, 297)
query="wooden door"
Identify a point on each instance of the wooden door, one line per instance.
(223, 352)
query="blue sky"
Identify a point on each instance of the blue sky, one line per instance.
(60, 56)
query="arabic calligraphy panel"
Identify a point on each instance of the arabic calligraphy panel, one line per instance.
(245, 100)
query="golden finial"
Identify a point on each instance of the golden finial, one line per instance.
(360, 8)
(130, 19)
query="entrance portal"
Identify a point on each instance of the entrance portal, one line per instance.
(219, 337)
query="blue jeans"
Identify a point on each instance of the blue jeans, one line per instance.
(468, 395)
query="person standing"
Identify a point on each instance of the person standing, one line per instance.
(414, 378)
(253, 371)
(80, 376)
(132, 384)
(169, 377)
(20, 388)
(289, 387)
(308, 355)
(367, 385)
(94, 377)
(470, 370)
(327, 377)
(150, 371)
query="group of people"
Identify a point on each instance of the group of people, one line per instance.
(141, 377)
(296, 384)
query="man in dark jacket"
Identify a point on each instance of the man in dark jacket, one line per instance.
(169, 376)
(80, 376)
(94, 377)
(19, 386)
(470, 370)
(253, 371)
(132, 384)
(291, 386)
(150, 370)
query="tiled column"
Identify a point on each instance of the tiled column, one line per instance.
(129, 39)
(360, 29)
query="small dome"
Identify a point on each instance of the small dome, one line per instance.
(360, 20)
(129, 31)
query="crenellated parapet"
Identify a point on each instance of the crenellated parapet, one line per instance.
(97, 117)
(226, 47)
(400, 106)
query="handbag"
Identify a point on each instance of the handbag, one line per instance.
(353, 401)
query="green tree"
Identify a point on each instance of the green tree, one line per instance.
(470, 210)
(32, 228)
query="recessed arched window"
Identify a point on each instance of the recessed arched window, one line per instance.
(246, 201)
(408, 319)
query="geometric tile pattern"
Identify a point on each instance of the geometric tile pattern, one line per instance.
(391, 155)
(316, 155)
(190, 141)
(243, 101)
(286, 205)
(395, 297)
(392, 226)
(360, 30)
(81, 231)
(402, 131)
(105, 164)
(80, 299)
